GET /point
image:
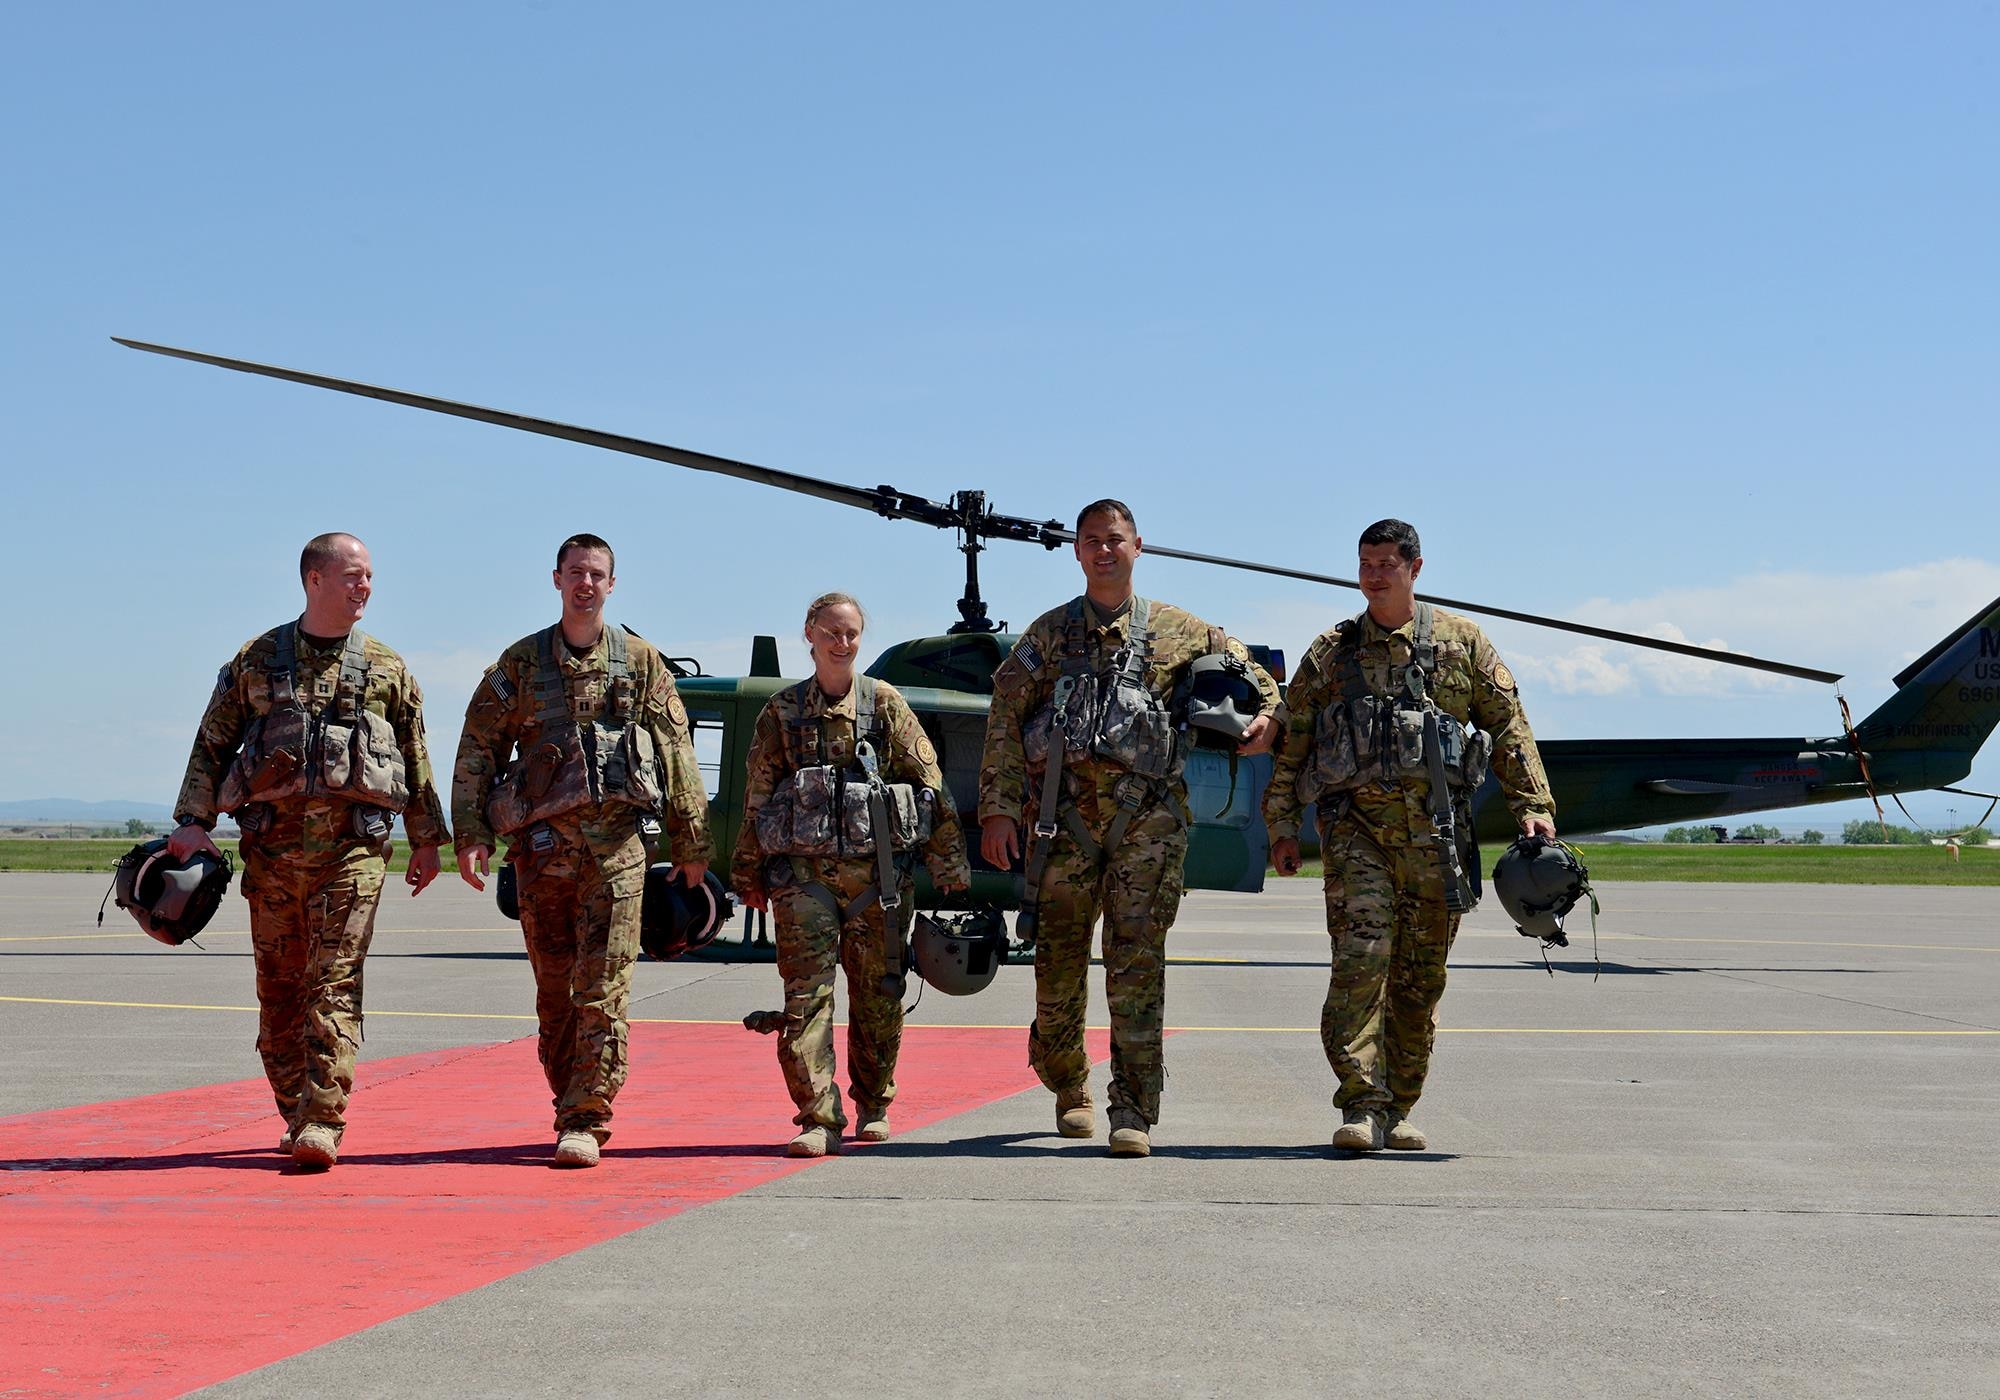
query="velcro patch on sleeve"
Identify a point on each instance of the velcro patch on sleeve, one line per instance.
(1030, 656)
(502, 688)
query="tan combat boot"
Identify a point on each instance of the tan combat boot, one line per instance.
(576, 1148)
(1404, 1136)
(285, 1143)
(1076, 1116)
(1129, 1137)
(1359, 1131)
(874, 1124)
(819, 1140)
(315, 1146)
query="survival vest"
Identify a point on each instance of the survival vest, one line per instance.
(829, 809)
(1361, 737)
(346, 751)
(563, 762)
(1402, 738)
(1111, 715)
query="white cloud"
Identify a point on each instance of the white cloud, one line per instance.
(1868, 626)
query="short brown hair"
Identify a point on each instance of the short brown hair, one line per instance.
(585, 542)
(1400, 533)
(1106, 506)
(322, 550)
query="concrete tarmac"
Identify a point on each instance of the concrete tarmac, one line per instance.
(1755, 1157)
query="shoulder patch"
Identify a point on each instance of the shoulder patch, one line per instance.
(1503, 677)
(676, 711)
(1029, 655)
(502, 688)
(926, 751)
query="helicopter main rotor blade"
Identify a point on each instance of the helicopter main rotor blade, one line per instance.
(1609, 634)
(883, 500)
(895, 504)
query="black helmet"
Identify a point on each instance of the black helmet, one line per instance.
(1538, 881)
(675, 919)
(172, 900)
(958, 953)
(1222, 700)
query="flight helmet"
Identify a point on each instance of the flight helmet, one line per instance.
(1538, 881)
(1222, 700)
(959, 954)
(172, 900)
(674, 919)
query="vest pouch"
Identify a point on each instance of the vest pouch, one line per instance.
(273, 763)
(810, 818)
(1035, 738)
(631, 770)
(1405, 757)
(857, 828)
(376, 763)
(553, 778)
(774, 819)
(1478, 758)
(1365, 723)
(336, 758)
(1137, 733)
(913, 812)
(1334, 762)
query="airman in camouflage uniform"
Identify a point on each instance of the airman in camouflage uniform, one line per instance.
(1135, 884)
(1385, 888)
(313, 857)
(801, 726)
(581, 872)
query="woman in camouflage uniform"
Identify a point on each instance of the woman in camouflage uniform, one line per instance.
(806, 853)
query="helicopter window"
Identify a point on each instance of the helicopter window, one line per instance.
(708, 731)
(961, 741)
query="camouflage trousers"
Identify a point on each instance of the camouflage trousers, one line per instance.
(812, 939)
(1137, 889)
(580, 920)
(310, 925)
(1391, 935)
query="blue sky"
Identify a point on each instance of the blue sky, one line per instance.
(1666, 317)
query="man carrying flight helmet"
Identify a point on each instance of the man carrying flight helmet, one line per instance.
(1083, 746)
(314, 740)
(1395, 716)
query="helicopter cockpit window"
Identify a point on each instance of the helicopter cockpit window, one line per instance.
(708, 731)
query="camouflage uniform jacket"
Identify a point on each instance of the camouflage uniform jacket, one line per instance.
(501, 715)
(1025, 683)
(310, 825)
(1471, 683)
(911, 758)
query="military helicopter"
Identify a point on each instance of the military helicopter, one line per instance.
(1923, 737)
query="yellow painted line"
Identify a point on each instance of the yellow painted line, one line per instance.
(1773, 942)
(1015, 1025)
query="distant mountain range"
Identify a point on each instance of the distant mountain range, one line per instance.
(70, 809)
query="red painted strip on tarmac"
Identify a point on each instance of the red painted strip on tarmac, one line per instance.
(154, 1245)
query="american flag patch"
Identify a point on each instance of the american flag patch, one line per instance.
(1029, 655)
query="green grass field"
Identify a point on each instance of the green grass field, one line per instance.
(1798, 865)
(99, 856)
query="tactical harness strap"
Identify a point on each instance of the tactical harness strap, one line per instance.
(1460, 893)
(1132, 790)
(348, 693)
(552, 708)
(887, 889)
